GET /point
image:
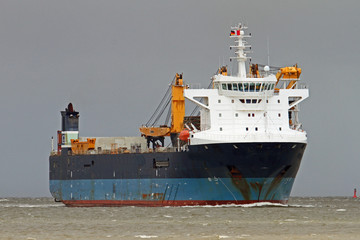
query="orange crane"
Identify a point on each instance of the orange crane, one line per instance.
(177, 99)
(289, 73)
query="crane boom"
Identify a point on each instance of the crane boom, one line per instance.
(153, 134)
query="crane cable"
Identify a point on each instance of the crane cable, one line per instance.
(156, 114)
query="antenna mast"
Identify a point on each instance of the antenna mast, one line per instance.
(240, 55)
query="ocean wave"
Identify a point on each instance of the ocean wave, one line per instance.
(4, 200)
(30, 205)
(251, 205)
(146, 236)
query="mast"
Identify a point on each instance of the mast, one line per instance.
(240, 55)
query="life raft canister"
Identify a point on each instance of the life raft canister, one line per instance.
(184, 135)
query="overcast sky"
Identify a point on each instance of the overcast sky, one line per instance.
(114, 59)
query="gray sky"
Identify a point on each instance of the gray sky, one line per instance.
(114, 59)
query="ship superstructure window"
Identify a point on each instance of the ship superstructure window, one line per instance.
(219, 114)
(241, 87)
(252, 101)
(236, 114)
(252, 87)
(247, 129)
(279, 128)
(235, 86)
(278, 100)
(256, 129)
(221, 129)
(279, 114)
(246, 87)
(219, 101)
(232, 100)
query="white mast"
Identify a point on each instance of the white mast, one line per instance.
(240, 54)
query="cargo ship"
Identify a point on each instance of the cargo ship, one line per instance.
(244, 145)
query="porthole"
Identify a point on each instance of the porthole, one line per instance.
(278, 100)
(247, 129)
(279, 114)
(253, 114)
(249, 115)
(279, 128)
(256, 129)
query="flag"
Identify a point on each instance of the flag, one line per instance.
(235, 33)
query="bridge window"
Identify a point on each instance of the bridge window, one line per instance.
(223, 86)
(252, 87)
(257, 87)
(241, 87)
(242, 100)
(229, 86)
(246, 87)
(253, 100)
(235, 86)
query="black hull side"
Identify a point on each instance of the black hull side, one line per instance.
(248, 160)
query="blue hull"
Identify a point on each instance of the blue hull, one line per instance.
(169, 191)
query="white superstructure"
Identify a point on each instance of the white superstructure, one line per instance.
(249, 107)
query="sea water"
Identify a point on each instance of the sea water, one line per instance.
(301, 218)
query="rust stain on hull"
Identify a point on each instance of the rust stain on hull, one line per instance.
(240, 182)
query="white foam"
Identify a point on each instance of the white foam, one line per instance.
(341, 210)
(302, 206)
(4, 200)
(290, 220)
(31, 205)
(146, 236)
(258, 204)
